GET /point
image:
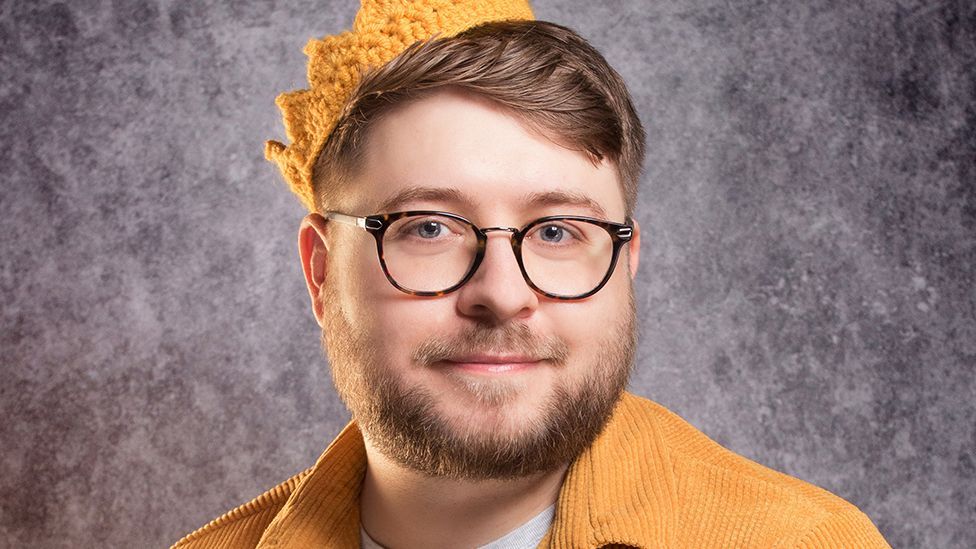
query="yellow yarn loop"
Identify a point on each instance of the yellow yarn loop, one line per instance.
(382, 29)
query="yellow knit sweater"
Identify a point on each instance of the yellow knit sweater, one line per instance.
(649, 480)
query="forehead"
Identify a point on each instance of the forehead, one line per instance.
(458, 149)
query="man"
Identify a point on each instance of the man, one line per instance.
(469, 257)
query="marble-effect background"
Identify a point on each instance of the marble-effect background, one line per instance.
(806, 291)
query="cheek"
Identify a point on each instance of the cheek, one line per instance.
(401, 324)
(359, 284)
(358, 271)
(584, 324)
(395, 322)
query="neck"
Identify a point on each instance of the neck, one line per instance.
(402, 508)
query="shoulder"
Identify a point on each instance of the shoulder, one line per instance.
(244, 525)
(721, 490)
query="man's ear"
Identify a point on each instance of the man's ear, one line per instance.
(314, 254)
(633, 250)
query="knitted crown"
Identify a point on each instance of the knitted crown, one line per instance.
(383, 29)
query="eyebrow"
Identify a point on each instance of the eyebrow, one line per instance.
(423, 194)
(456, 197)
(566, 198)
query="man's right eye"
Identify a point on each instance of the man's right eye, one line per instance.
(429, 229)
(425, 229)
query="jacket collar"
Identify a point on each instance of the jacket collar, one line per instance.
(620, 491)
(323, 511)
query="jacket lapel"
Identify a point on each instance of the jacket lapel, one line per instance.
(323, 511)
(622, 489)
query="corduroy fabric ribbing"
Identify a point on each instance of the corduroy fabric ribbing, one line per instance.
(649, 480)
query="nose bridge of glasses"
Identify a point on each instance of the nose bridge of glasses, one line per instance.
(515, 247)
(512, 231)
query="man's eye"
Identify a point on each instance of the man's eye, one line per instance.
(429, 229)
(552, 233)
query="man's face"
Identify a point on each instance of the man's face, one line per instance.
(492, 380)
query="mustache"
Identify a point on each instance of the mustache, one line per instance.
(515, 338)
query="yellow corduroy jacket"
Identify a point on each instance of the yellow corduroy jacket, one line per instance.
(649, 480)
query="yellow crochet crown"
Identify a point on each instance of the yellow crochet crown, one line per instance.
(383, 29)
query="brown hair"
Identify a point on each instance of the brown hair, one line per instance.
(545, 74)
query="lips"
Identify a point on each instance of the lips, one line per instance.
(493, 364)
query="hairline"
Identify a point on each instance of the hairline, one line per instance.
(352, 167)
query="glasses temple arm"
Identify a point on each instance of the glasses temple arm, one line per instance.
(346, 219)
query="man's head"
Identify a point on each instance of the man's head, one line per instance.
(502, 124)
(544, 74)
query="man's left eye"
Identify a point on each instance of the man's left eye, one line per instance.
(430, 229)
(552, 233)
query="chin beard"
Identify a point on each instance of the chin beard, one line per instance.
(404, 424)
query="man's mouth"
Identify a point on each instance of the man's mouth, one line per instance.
(493, 364)
(489, 352)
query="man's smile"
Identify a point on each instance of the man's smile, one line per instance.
(493, 364)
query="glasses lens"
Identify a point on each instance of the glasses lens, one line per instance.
(567, 257)
(429, 253)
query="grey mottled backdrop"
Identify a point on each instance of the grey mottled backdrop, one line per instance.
(806, 294)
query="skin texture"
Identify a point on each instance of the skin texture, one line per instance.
(377, 336)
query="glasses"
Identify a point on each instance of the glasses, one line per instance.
(432, 253)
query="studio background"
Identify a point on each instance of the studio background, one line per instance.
(805, 293)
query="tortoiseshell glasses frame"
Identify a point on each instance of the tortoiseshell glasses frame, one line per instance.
(620, 234)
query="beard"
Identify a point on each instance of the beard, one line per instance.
(403, 423)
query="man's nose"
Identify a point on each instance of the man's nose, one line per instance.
(497, 292)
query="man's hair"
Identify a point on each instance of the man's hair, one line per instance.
(544, 74)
